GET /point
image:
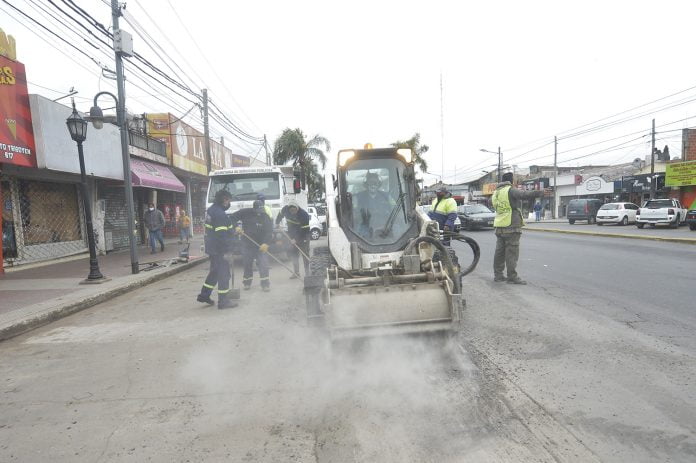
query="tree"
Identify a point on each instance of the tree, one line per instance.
(293, 146)
(315, 184)
(418, 150)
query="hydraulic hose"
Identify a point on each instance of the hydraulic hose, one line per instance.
(474, 247)
(445, 257)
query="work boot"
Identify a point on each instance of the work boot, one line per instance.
(226, 304)
(205, 299)
(161, 247)
(499, 278)
(265, 289)
(516, 281)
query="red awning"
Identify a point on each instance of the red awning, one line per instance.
(156, 176)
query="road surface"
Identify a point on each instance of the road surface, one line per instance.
(536, 374)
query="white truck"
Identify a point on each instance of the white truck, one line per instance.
(277, 184)
(661, 212)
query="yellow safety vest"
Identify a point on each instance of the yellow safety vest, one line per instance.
(445, 207)
(502, 206)
(268, 211)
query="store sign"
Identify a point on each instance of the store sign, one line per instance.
(489, 188)
(640, 183)
(16, 131)
(594, 185)
(186, 145)
(681, 174)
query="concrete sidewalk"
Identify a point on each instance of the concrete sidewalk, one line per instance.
(38, 294)
(679, 235)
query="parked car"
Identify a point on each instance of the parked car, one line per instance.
(691, 219)
(315, 227)
(621, 213)
(661, 212)
(583, 209)
(320, 211)
(475, 216)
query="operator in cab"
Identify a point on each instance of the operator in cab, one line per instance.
(256, 231)
(444, 212)
(218, 242)
(373, 206)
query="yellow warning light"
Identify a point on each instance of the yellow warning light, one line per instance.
(368, 146)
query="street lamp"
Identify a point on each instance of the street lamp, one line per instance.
(96, 116)
(500, 161)
(77, 127)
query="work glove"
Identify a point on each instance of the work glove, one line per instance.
(263, 247)
(238, 230)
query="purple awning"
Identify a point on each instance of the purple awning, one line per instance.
(154, 176)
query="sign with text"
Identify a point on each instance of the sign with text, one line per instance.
(680, 174)
(16, 130)
(186, 146)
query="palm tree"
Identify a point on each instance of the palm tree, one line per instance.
(292, 146)
(315, 183)
(418, 150)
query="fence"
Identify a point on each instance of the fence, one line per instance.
(147, 143)
(41, 220)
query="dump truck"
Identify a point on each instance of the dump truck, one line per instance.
(385, 269)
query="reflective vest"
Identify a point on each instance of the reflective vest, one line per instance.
(502, 206)
(268, 211)
(446, 206)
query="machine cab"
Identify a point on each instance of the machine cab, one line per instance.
(376, 198)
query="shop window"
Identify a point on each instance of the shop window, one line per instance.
(50, 212)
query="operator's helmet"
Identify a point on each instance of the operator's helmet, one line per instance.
(372, 178)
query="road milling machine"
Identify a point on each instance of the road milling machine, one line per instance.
(385, 269)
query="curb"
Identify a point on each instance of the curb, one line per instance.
(52, 314)
(616, 235)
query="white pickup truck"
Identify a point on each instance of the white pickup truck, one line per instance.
(661, 212)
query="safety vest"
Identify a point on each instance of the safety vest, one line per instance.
(502, 206)
(268, 211)
(445, 206)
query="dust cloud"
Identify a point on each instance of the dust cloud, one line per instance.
(410, 398)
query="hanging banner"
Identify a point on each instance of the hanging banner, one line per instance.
(16, 130)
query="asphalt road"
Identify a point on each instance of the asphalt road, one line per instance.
(545, 372)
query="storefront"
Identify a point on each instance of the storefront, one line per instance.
(636, 188)
(682, 176)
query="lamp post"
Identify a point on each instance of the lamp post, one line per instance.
(96, 116)
(77, 127)
(500, 161)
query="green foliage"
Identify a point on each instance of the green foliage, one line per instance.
(292, 147)
(418, 150)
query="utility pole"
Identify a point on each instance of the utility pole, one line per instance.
(555, 176)
(268, 153)
(652, 163)
(500, 166)
(442, 132)
(206, 130)
(121, 120)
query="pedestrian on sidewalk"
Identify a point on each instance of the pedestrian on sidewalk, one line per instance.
(256, 231)
(298, 231)
(537, 211)
(218, 242)
(508, 224)
(154, 222)
(184, 227)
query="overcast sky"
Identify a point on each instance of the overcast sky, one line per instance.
(515, 73)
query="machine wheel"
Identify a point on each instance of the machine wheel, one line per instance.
(640, 225)
(624, 221)
(455, 262)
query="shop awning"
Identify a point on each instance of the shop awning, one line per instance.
(156, 176)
